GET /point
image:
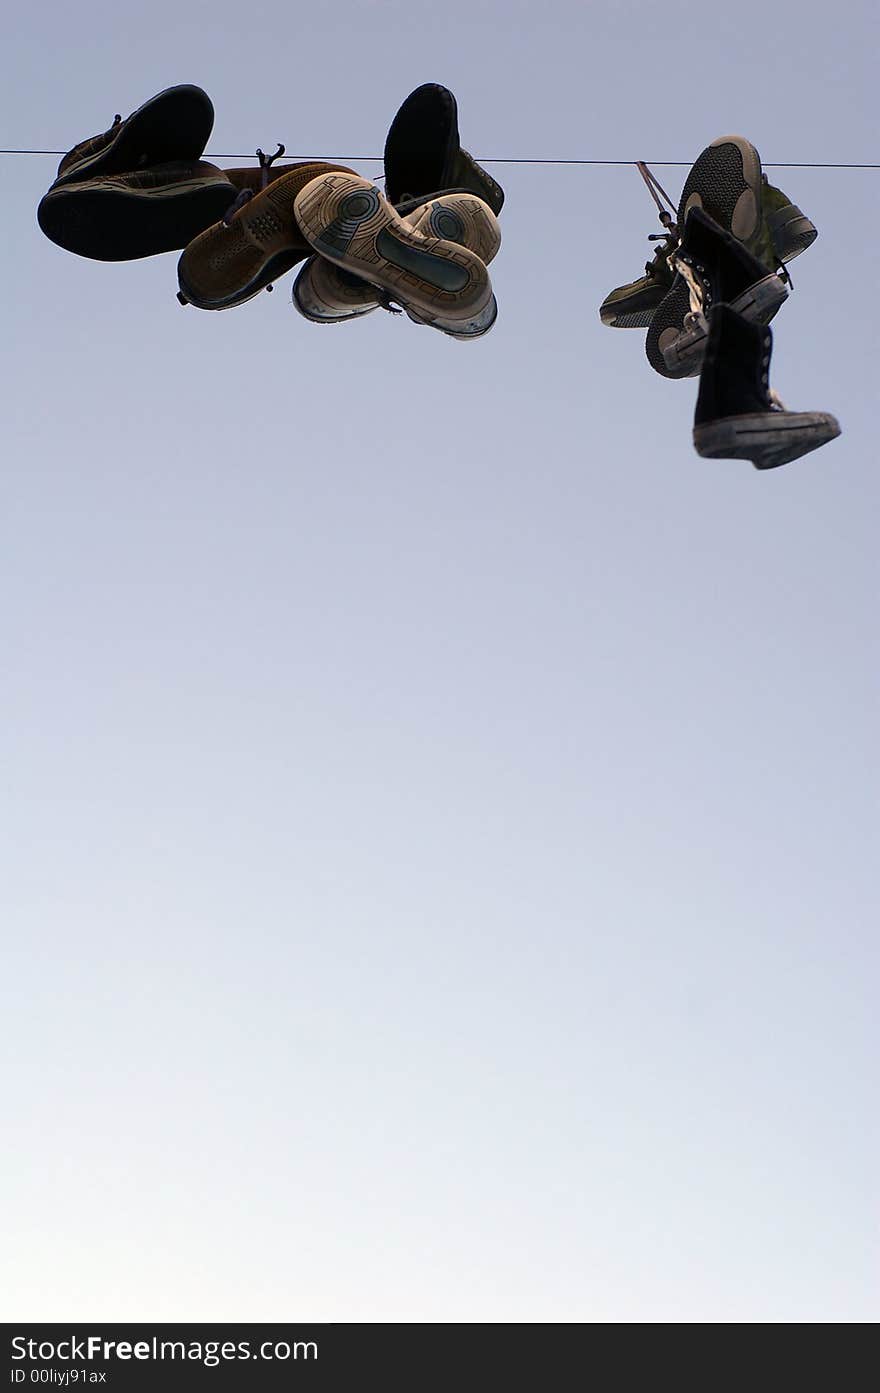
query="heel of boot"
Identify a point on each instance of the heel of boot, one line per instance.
(792, 231)
(762, 300)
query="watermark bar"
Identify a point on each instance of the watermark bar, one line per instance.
(128, 1358)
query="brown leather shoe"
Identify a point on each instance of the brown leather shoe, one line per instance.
(257, 242)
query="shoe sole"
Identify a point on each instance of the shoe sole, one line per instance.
(768, 439)
(229, 264)
(626, 319)
(347, 220)
(116, 224)
(466, 331)
(666, 327)
(175, 125)
(792, 232)
(310, 312)
(464, 219)
(725, 181)
(461, 218)
(683, 354)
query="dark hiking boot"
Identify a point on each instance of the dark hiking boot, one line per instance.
(717, 268)
(737, 416)
(423, 156)
(347, 220)
(257, 240)
(632, 306)
(172, 127)
(326, 294)
(123, 217)
(726, 181)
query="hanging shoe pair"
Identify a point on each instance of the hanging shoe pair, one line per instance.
(329, 292)
(141, 187)
(727, 181)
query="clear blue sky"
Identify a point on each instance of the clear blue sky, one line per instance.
(439, 827)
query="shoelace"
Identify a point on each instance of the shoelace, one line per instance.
(697, 287)
(385, 301)
(245, 195)
(266, 163)
(241, 198)
(669, 237)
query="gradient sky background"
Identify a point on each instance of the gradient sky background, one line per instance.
(439, 808)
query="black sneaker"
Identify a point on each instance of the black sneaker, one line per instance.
(173, 126)
(737, 417)
(717, 267)
(726, 181)
(424, 158)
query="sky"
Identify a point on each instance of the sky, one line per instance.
(438, 828)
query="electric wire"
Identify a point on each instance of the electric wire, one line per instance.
(524, 160)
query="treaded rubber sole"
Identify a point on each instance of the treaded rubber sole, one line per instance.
(725, 180)
(667, 325)
(792, 232)
(617, 316)
(461, 218)
(326, 294)
(231, 263)
(346, 220)
(767, 439)
(174, 125)
(468, 330)
(683, 355)
(312, 305)
(637, 319)
(126, 225)
(263, 276)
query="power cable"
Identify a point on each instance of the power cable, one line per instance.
(377, 159)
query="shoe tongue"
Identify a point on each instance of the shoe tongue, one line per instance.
(422, 144)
